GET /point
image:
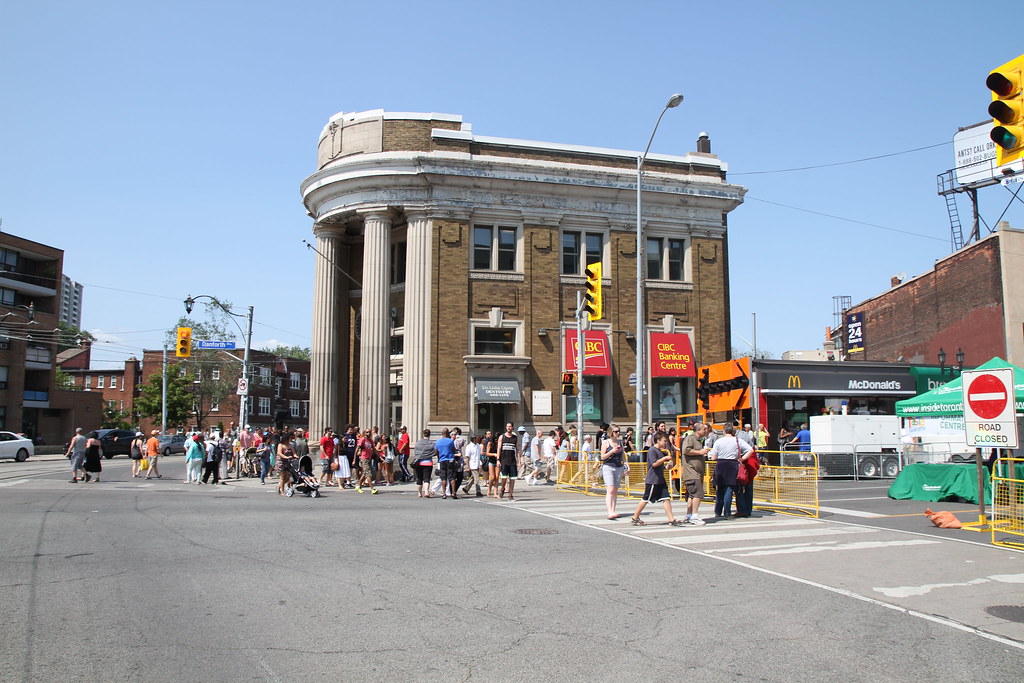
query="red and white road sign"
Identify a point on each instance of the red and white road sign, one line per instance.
(989, 413)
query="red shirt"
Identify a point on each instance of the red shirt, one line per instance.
(327, 447)
(403, 444)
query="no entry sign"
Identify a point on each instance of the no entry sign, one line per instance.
(989, 408)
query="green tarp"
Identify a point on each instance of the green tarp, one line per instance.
(949, 398)
(939, 482)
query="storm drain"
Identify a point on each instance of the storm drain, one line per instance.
(1008, 612)
(534, 532)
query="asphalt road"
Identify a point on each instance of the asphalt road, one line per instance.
(160, 581)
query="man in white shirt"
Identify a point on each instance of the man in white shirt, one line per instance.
(473, 458)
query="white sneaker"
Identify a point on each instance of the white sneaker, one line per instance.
(696, 521)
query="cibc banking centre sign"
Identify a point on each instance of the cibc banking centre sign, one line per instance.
(989, 412)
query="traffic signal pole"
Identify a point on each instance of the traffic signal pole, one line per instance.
(581, 364)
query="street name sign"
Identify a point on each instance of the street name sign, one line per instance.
(989, 413)
(211, 344)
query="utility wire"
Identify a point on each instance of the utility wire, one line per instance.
(842, 163)
(848, 220)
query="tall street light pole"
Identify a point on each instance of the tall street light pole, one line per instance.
(243, 403)
(641, 335)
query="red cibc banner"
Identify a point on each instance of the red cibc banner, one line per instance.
(671, 355)
(596, 359)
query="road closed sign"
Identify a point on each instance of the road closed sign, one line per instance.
(989, 408)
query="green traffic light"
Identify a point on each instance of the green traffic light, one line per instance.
(1003, 137)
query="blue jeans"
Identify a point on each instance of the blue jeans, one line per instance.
(264, 469)
(723, 501)
(744, 499)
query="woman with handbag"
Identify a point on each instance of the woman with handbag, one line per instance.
(613, 466)
(749, 465)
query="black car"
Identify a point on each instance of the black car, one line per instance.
(115, 441)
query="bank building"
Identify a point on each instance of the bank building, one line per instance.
(448, 263)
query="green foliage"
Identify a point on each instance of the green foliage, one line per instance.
(67, 336)
(63, 380)
(114, 418)
(179, 397)
(296, 352)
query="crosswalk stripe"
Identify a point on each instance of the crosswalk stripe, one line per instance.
(15, 483)
(690, 539)
(855, 545)
(752, 526)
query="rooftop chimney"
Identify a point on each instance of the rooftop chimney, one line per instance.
(704, 143)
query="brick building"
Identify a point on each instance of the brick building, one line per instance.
(118, 387)
(972, 300)
(448, 266)
(30, 403)
(278, 388)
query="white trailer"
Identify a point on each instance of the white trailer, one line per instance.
(858, 445)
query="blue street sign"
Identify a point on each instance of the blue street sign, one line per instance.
(199, 344)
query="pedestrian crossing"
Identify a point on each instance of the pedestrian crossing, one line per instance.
(764, 534)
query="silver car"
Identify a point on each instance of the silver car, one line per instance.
(171, 443)
(16, 446)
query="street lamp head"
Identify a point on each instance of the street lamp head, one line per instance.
(189, 303)
(960, 357)
(674, 101)
(942, 357)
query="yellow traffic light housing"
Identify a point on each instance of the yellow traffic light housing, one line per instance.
(569, 384)
(184, 347)
(593, 298)
(1007, 109)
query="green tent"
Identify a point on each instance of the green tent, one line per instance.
(949, 398)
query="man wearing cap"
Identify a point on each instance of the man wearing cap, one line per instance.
(153, 454)
(524, 451)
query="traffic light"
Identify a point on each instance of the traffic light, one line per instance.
(592, 304)
(704, 388)
(184, 347)
(569, 384)
(1007, 109)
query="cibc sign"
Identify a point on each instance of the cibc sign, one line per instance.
(989, 413)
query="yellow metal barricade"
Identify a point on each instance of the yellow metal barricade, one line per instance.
(789, 489)
(1008, 503)
(580, 476)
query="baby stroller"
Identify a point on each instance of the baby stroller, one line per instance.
(303, 479)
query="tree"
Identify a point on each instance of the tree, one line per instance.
(179, 397)
(114, 418)
(763, 354)
(67, 336)
(296, 352)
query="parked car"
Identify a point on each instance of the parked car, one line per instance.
(16, 446)
(115, 441)
(171, 443)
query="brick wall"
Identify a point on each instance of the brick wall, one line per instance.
(957, 304)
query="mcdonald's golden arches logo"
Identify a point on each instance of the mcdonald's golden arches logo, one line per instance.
(793, 382)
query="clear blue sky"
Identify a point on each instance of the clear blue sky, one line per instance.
(161, 144)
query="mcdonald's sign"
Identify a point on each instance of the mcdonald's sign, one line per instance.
(793, 382)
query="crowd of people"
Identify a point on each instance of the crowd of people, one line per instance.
(479, 465)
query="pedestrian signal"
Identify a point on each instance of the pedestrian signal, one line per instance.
(1007, 109)
(569, 384)
(184, 347)
(593, 298)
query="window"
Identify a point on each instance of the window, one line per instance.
(494, 247)
(113, 381)
(3, 376)
(182, 371)
(294, 380)
(666, 259)
(6, 296)
(3, 417)
(88, 381)
(277, 387)
(580, 249)
(305, 409)
(264, 405)
(214, 406)
(397, 263)
(293, 408)
(397, 345)
(99, 382)
(265, 377)
(491, 342)
(8, 259)
(305, 382)
(215, 374)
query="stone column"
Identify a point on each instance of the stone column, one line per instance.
(375, 326)
(416, 371)
(328, 310)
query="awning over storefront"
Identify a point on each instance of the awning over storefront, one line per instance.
(833, 379)
(498, 391)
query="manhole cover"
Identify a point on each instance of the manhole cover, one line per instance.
(535, 532)
(1008, 612)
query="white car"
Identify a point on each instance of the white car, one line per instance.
(15, 446)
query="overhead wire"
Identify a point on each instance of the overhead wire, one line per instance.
(842, 163)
